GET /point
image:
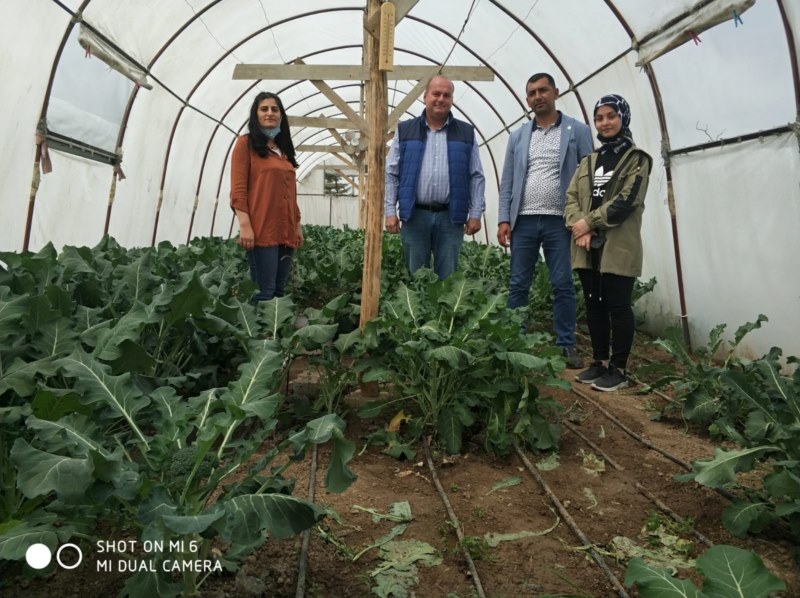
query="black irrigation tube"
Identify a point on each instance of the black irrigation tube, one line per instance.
(303, 562)
(454, 521)
(630, 432)
(672, 514)
(572, 525)
(647, 443)
(653, 498)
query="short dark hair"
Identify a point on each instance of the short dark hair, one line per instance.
(547, 76)
(258, 141)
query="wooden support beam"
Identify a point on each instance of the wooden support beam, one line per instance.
(401, 9)
(345, 159)
(336, 72)
(331, 149)
(321, 122)
(347, 178)
(377, 101)
(405, 104)
(337, 100)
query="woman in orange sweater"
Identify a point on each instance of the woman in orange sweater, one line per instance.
(264, 196)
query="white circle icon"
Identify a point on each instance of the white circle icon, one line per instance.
(38, 556)
(58, 556)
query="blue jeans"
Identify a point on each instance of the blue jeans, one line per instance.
(269, 269)
(427, 233)
(549, 233)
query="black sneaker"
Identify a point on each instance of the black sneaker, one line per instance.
(612, 380)
(574, 361)
(592, 373)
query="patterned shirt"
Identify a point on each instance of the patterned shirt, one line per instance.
(542, 183)
(433, 186)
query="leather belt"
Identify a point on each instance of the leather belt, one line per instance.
(432, 207)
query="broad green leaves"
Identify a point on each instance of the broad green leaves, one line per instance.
(728, 572)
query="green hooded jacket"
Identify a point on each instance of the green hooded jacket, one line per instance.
(617, 223)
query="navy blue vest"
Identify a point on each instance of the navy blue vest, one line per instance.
(412, 137)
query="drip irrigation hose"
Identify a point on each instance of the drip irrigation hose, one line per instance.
(303, 564)
(672, 514)
(572, 525)
(647, 443)
(453, 521)
(631, 433)
(593, 446)
(664, 508)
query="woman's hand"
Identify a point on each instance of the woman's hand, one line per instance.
(299, 236)
(247, 238)
(580, 228)
(584, 241)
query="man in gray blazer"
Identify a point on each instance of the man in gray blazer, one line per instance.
(541, 158)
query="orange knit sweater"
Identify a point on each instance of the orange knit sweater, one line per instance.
(265, 188)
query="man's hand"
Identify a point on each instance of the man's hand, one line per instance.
(472, 226)
(580, 228)
(504, 234)
(392, 225)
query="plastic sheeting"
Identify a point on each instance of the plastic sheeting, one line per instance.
(176, 140)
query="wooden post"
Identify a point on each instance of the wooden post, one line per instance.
(377, 96)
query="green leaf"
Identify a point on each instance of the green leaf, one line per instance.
(506, 483)
(722, 468)
(331, 427)
(741, 516)
(548, 463)
(525, 361)
(280, 515)
(450, 431)
(40, 473)
(17, 536)
(145, 583)
(11, 313)
(54, 339)
(456, 358)
(656, 582)
(315, 335)
(345, 342)
(276, 313)
(190, 299)
(73, 431)
(22, 377)
(783, 484)
(731, 572)
(96, 385)
(747, 328)
(129, 327)
(192, 524)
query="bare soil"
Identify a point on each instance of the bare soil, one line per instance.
(555, 563)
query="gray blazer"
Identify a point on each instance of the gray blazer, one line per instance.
(576, 142)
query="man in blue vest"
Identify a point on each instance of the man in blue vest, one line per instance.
(541, 157)
(434, 183)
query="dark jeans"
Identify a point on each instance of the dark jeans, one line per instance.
(269, 269)
(548, 233)
(429, 233)
(609, 313)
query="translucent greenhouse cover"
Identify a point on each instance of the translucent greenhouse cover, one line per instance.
(140, 151)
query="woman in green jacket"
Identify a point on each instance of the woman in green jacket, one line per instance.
(605, 201)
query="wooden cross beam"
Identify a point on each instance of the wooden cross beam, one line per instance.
(337, 72)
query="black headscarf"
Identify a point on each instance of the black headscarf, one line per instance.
(624, 139)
